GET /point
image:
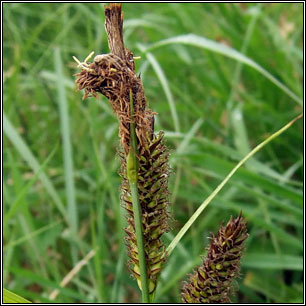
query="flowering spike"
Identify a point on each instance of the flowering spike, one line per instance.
(153, 195)
(212, 281)
(113, 75)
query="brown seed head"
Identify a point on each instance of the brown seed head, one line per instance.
(212, 281)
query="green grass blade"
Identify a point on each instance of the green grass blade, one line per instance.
(28, 156)
(14, 207)
(98, 258)
(257, 166)
(273, 261)
(180, 149)
(218, 167)
(197, 213)
(67, 152)
(31, 235)
(191, 133)
(12, 298)
(46, 283)
(202, 42)
(118, 273)
(165, 85)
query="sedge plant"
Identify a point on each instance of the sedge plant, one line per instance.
(144, 156)
(145, 172)
(36, 245)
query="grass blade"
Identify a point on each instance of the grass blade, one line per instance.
(197, 213)
(46, 283)
(191, 133)
(22, 193)
(163, 81)
(67, 154)
(218, 167)
(28, 156)
(12, 298)
(31, 235)
(203, 42)
(273, 261)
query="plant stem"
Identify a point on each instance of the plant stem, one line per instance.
(132, 174)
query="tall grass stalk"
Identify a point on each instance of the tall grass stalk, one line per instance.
(132, 175)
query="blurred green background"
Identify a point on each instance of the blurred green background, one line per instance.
(61, 186)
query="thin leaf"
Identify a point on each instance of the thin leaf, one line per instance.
(47, 283)
(67, 151)
(28, 156)
(12, 298)
(203, 42)
(23, 192)
(197, 213)
(163, 80)
(273, 261)
(193, 130)
(32, 234)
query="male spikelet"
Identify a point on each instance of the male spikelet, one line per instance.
(113, 76)
(212, 281)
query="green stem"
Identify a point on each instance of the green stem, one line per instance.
(132, 174)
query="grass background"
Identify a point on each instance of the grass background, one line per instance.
(61, 196)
